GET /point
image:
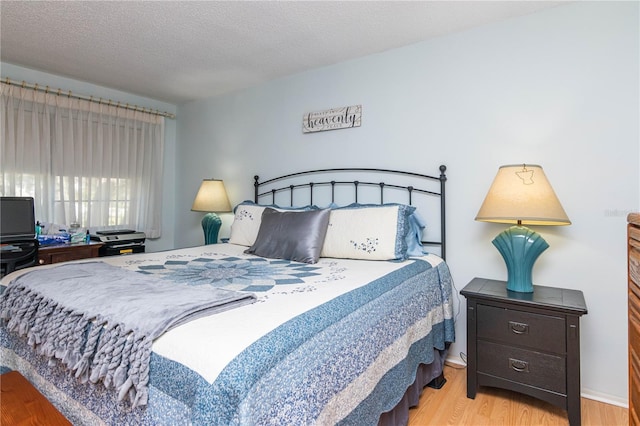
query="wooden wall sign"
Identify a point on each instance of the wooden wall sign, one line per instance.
(332, 119)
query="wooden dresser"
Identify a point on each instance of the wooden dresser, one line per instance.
(66, 252)
(633, 250)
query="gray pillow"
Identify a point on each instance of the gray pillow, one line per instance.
(289, 235)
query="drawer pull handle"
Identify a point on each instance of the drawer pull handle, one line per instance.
(519, 327)
(519, 365)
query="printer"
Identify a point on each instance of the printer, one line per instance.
(119, 241)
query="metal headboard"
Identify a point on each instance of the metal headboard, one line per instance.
(296, 185)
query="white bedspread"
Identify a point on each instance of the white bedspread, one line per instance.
(334, 341)
(240, 327)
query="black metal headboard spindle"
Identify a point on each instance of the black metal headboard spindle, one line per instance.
(256, 185)
(443, 216)
(356, 184)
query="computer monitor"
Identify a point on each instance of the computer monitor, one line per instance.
(17, 219)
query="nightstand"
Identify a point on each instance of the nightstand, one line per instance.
(525, 342)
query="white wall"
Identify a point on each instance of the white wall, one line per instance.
(166, 241)
(557, 88)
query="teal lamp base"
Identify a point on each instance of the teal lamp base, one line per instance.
(520, 247)
(211, 223)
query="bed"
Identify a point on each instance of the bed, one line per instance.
(345, 331)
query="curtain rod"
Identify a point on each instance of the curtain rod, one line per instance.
(69, 94)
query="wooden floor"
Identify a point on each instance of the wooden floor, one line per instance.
(450, 406)
(21, 404)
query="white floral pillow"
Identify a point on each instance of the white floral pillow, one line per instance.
(246, 224)
(368, 232)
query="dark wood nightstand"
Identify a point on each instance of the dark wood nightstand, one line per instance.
(525, 342)
(65, 252)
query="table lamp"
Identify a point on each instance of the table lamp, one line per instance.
(521, 195)
(211, 198)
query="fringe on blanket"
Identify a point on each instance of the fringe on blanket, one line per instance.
(91, 348)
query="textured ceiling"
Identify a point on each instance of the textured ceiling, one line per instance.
(175, 51)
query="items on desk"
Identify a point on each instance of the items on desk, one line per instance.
(60, 238)
(78, 237)
(55, 234)
(120, 241)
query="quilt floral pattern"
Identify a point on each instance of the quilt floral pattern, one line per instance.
(254, 274)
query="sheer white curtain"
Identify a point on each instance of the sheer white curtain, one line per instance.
(85, 162)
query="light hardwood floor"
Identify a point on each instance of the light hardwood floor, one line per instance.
(450, 406)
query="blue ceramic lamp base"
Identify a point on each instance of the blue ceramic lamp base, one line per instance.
(211, 223)
(520, 247)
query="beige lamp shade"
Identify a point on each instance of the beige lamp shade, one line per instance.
(211, 197)
(521, 194)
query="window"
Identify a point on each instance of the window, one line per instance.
(94, 164)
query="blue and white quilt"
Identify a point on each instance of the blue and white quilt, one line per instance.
(336, 342)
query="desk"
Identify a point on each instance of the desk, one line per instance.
(65, 252)
(17, 255)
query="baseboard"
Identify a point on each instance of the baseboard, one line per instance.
(458, 362)
(605, 398)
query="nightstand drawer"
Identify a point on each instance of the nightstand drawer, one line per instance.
(523, 366)
(522, 328)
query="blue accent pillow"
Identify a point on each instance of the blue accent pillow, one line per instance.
(414, 235)
(277, 207)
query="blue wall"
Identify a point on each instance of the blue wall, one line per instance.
(557, 88)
